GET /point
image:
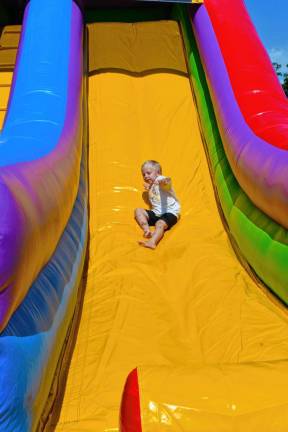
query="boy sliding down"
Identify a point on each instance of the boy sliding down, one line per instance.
(165, 207)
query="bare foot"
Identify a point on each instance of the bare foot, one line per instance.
(148, 244)
(147, 234)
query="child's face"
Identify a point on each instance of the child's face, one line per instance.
(149, 174)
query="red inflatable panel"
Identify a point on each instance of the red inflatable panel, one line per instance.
(130, 417)
(257, 90)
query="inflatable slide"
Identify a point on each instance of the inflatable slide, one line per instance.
(97, 333)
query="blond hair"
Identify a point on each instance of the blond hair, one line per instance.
(154, 164)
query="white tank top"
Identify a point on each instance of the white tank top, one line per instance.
(163, 199)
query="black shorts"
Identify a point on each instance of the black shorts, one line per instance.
(169, 218)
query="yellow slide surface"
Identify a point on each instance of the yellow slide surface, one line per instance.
(9, 41)
(189, 302)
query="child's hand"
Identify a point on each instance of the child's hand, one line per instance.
(165, 181)
(146, 186)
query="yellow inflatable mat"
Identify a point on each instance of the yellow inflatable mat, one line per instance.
(187, 304)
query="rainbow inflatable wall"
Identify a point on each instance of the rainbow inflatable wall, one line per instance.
(44, 197)
(43, 186)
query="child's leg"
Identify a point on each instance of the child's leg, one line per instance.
(141, 217)
(160, 228)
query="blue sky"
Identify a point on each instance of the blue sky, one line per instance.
(270, 19)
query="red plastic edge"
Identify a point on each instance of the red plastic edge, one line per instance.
(130, 413)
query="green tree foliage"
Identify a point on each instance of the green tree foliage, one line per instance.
(285, 82)
(278, 68)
